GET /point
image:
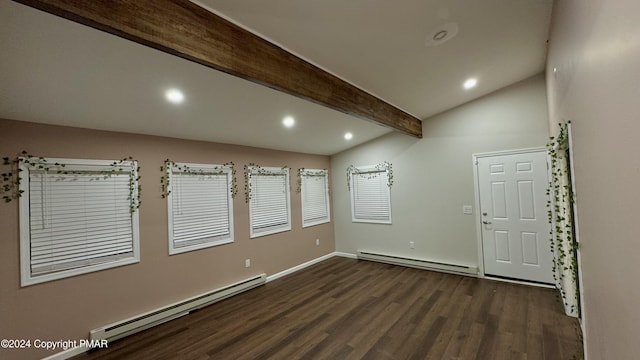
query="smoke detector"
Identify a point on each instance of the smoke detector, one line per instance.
(441, 34)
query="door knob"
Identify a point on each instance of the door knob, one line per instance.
(486, 222)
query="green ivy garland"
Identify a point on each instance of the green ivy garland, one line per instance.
(384, 166)
(301, 172)
(251, 169)
(304, 172)
(134, 191)
(217, 170)
(560, 209)
(10, 183)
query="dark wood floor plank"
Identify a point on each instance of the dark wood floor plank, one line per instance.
(349, 309)
(414, 304)
(471, 346)
(517, 323)
(376, 331)
(448, 347)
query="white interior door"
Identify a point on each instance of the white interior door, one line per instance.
(515, 228)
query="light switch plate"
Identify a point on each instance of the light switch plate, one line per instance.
(467, 209)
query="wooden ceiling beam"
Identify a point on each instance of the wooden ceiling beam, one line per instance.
(182, 28)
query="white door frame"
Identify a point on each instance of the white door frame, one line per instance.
(576, 235)
(476, 188)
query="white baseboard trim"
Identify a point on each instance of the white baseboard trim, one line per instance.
(66, 354)
(299, 267)
(344, 254)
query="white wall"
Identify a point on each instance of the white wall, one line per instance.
(434, 175)
(595, 47)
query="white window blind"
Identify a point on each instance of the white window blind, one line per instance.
(77, 219)
(370, 196)
(269, 203)
(315, 197)
(200, 206)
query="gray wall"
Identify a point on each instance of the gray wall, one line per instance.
(595, 48)
(434, 175)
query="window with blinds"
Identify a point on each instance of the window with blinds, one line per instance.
(200, 206)
(314, 191)
(269, 203)
(370, 195)
(77, 218)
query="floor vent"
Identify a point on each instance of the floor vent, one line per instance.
(152, 318)
(417, 263)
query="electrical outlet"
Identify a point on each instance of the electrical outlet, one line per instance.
(247, 263)
(317, 242)
(412, 245)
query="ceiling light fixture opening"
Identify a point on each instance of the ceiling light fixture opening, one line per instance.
(288, 121)
(470, 83)
(441, 34)
(348, 136)
(174, 96)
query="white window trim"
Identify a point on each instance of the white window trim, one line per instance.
(352, 178)
(255, 170)
(199, 167)
(309, 173)
(25, 241)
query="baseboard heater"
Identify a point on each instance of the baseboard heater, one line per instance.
(152, 318)
(417, 263)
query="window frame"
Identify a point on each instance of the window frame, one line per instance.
(26, 276)
(309, 173)
(196, 169)
(252, 173)
(360, 171)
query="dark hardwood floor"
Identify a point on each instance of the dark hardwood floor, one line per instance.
(349, 309)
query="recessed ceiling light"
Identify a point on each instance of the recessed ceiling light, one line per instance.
(174, 96)
(441, 34)
(288, 121)
(348, 136)
(470, 83)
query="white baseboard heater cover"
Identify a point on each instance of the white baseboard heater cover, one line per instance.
(149, 319)
(418, 263)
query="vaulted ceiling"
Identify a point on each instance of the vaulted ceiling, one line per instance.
(55, 71)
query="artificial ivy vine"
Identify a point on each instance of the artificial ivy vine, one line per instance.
(301, 172)
(252, 169)
(384, 166)
(216, 170)
(304, 172)
(134, 178)
(11, 180)
(560, 216)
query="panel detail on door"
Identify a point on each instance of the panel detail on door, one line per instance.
(502, 246)
(497, 169)
(526, 200)
(529, 248)
(513, 219)
(523, 166)
(499, 198)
